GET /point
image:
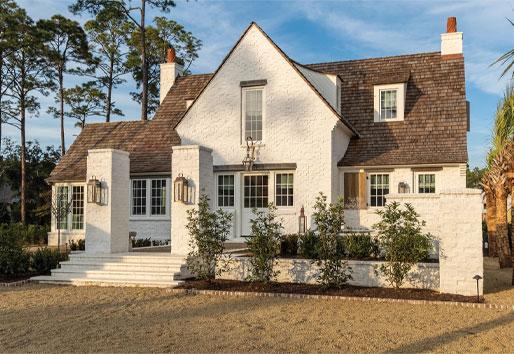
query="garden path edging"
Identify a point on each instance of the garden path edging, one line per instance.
(336, 297)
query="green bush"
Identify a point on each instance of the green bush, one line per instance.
(142, 242)
(79, 245)
(308, 244)
(360, 246)
(289, 245)
(209, 230)
(45, 259)
(329, 218)
(30, 234)
(14, 260)
(402, 241)
(264, 244)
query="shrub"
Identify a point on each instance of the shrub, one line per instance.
(360, 246)
(329, 219)
(14, 260)
(402, 241)
(308, 244)
(29, 234)
(79, 245)
(264, 244)
(45, 259)
(208, 230)
(289, 245)
(142, 242)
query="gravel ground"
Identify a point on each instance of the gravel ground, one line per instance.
(43, 318)
(497, 282)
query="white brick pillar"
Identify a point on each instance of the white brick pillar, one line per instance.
(107, 224)
(194, 163)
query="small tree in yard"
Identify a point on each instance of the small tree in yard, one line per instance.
(402, 241)
(264, 244)
(329, 218)
(208, 230)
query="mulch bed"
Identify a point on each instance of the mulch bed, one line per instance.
(313, 289)
(4, 279)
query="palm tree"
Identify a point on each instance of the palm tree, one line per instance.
(490, 218)
(501, 185)
(507, 59)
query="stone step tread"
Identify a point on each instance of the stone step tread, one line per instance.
(122, 264)
(114, 272)
(105, 282)
(136, 260)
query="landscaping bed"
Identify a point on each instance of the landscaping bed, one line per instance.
(312, 289)
(4, 279)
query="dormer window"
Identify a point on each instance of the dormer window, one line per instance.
(253, 113)
(389, 102)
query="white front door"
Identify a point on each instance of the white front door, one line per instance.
(255, 195)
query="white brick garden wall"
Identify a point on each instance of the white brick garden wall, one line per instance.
(423, 275)
(291, 109)
(154, 229)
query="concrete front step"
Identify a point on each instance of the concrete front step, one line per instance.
(146, 267)
(109, 274)
(123, 258)
(66, 280)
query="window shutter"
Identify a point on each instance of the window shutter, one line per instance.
(355, 190)
(362, 191)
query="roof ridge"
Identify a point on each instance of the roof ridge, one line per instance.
(376, 58)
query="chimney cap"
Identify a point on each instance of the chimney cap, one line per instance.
(170, 55)
(451, 25)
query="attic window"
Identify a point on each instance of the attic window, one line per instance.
(389, 102)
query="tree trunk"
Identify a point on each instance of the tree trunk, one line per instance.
(23, 211)
(502, 231)
(490, 220)
(1, 88)
(144, 97)
(61, 112)
(108, 104)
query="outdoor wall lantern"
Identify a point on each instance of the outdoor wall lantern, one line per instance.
(180, 189)
(403, 187)
(302, 222)
(94, 191)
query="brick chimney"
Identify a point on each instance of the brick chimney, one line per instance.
(451, 41)
(169, 72)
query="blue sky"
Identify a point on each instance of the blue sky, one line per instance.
(318, 31)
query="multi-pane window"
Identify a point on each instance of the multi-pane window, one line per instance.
(253, 114)
(284, 189)
(256, 191)
(388, 104)
(379, 187)
(62, 206)
(426, 183)
(226, 190)
(77, 207)
(158, 197)
(139, 197)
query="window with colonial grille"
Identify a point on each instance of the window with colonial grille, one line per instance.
(139, 197)
(379, 187)
(256, 191)
(284, 189)
(77, 207)
(62, 201)
(226, 190)
(158, 197)
(253, 113)
(426, 183)
(388, 104)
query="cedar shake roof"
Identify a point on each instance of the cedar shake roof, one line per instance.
(149, 143)
(434, 129)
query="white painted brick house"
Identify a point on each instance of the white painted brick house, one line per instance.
(359, 129)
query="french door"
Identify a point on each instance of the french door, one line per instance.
(255, 195)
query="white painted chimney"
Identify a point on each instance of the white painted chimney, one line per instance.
(451, 41)
(169, 72)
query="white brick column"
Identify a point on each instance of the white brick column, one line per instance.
(107, 225)
(195, 163)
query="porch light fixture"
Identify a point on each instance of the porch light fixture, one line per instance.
(94, 191)
(180, 189)
(403, 188)
(302, 222)
(250, 154)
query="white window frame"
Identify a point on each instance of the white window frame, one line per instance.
(417, 182)
(400, 101)
(217, 189)
(274, 189)
(69, 217)
(84, 200)
(244, 90)
(369, 187)
(148, 215)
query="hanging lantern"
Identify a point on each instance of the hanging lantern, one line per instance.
(94, 191)
(302, 222)
(180, 189)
